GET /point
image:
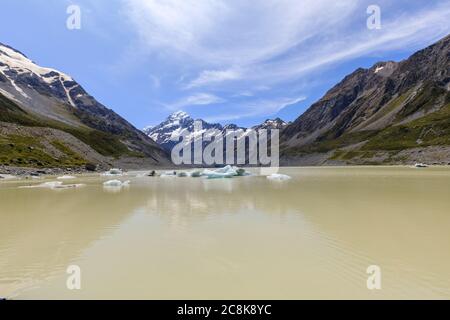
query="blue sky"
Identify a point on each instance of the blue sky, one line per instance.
(230, 61)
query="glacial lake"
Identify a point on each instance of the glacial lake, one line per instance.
(312, 237)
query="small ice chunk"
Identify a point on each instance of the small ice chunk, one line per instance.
(225, 172)
(116, 183)
(66, 178)
(278, 177)
(113, 172)
(182, 174)
(68, 186)
(54, 185)
(51, 184)
(218, 175)
(169, 174)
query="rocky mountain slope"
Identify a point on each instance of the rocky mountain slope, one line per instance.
(394, 112)
(48, 119)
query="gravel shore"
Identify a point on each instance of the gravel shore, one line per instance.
(23, 172)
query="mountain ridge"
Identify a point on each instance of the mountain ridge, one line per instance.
(40, 97)
(180, 122)
(378, 115)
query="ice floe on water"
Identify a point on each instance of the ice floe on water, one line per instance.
(66, 178)
(215, 174)
(225, 172)
(53, 185)
(116, 183)
(169, 174)
(113, 172)
(278, 177)
(115, 186)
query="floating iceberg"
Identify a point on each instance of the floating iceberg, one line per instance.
(218, 175)
(115, 186)
(225, 172)
(68, 186)
(141, 175)
(169, 174)
(113, 172)
(116, 183)
(66, 178)
(278, 177)
(182, 175)
(51, 184)
(54, 185)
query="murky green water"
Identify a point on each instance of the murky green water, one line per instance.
(183, 238)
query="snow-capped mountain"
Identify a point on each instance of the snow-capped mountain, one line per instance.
(36, 96)
(180, 123)
(276, 123)
(20, 71)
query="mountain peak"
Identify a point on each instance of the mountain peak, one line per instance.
(179, 115)
(31, 94)
(371, 109)
(19, 63)
(276, 123)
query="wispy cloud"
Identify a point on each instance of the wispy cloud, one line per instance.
(258, 108)
(228, 47)
(213, 76)
(199, 99)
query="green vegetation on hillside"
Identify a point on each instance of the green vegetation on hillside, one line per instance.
(25, 151)
(104, 143)
(329, 145)
(12, 113)
(425, 100)
(430, 130)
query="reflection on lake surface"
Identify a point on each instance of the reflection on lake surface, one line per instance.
(184, 238)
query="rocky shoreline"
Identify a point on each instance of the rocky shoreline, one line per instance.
(24, 172)
(34, 172)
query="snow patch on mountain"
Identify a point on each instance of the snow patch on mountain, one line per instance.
(19, 62)
(17, 68)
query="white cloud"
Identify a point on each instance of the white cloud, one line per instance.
(215, 33)
(268, 107)
(236, 40)
(419, 29)
(213, 76)
(235, 46)
(199, 99)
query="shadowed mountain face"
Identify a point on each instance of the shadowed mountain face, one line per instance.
(385, 114)
(36, 97)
